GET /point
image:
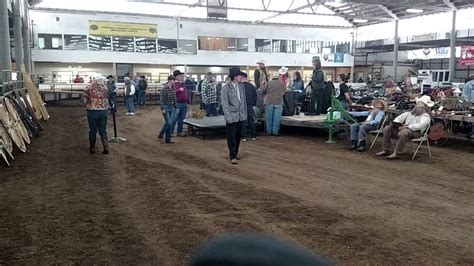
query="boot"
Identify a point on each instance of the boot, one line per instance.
(361, 147)
(353, 145)
(91, 146)
(105, 144)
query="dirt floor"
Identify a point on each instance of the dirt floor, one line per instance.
(148, 202)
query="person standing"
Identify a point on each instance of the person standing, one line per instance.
(142, 86)
(317, 88)
(96, 97)
(260, 75)
(182, 99)
(234, 107)
(344, 97)
(209, 95)
(251, 100)
(168, 106)
(274, 91)
(129, 96)
(468, 95)
(135, 82)
(112, 88)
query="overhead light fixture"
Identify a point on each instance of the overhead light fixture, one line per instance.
(414, 10)
(209, 38)
(358, 20)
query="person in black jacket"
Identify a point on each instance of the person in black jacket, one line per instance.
(142, 86)
(251, 97)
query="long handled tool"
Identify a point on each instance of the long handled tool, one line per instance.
(115, 139)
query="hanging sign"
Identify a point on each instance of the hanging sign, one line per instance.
(122, 29)
(467, 55)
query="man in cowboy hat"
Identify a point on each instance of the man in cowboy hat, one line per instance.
(182, 99)
(407, 126)
(373, 121)
(234, 106)
(260, 74)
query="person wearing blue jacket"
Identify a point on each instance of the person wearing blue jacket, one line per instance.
(373, 121)
(468, 95)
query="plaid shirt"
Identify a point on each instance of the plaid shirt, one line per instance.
(168, 97)
(209, 92)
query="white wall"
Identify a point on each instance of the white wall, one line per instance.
(69, 23)
(205, 58)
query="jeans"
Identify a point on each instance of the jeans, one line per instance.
(211, 109)
(344, 104)
(250, 122)
(180, 116)
(169, 116)
(273, 118)
(130, 104)
(141, 97)
(316, 104)
(234, 131)
(97, 120)
(359, 130)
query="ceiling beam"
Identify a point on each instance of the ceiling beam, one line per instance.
(290, 11)
(388, 11)
(450, 4)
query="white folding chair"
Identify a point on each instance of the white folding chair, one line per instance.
(420, 140)
(378, 132)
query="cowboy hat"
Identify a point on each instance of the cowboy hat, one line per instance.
(283, 70)
(384, 103)
(235, 71)
(426, 100)
(275, 75)
(177, 73)
(261, 61)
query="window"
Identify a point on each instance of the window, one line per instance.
(343, 48)
(124, 70)
(222, 44)
(75, 42)
(446, 76)
(187, 47)
(280, 46)
(167, 46)
(50, 41)
(123, 44)
(291, 46)
(98, 43)
(263, 45)
(441, 76)
(434, 76)
(143, 45)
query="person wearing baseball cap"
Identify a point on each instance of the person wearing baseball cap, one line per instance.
(234, 106)
(182, 105)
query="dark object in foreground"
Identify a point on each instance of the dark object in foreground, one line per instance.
(253, 250)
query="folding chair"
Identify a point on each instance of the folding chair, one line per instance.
(378, 131)
(423, 138)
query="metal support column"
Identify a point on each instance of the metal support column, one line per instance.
(5, 51)
(395, 53)
(26, 37)
(18, 35)
(452, 58)
(353, 56)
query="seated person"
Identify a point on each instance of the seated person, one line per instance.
(374, 118)
(407, 126)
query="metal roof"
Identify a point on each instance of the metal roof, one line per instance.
(320, 13)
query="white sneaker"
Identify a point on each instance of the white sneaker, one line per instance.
(244, 140)
(127, 113)
(254, 139)
(132, 113)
